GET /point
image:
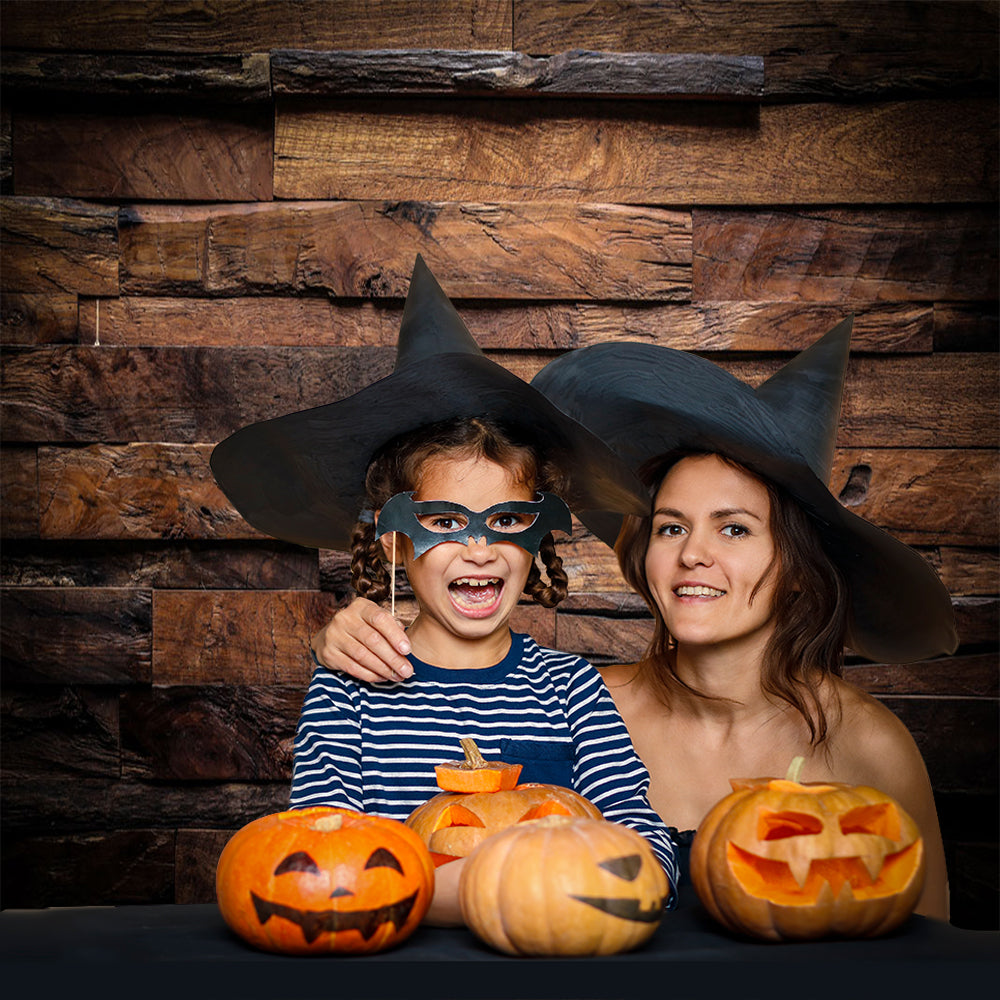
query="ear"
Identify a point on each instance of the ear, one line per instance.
(387, 539)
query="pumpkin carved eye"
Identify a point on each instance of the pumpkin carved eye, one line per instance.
(779, 825)
(626, 867)
(297, 862)
(881, 820)
(382, 858)
(549, 808)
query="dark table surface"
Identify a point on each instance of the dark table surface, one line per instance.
(187, 950)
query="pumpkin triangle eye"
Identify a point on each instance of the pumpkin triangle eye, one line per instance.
(297, 862)
(881, 819)
(779, 825)
(381, 858)
(626, 867)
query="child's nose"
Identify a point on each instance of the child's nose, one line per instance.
(478, 548)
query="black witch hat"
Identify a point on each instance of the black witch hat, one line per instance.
(645, 401)
(300, 477)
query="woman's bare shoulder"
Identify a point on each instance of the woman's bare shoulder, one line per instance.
(618, 674)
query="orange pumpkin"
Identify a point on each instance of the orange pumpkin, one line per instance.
(320, 880)
(454, 823)
(563, 886)
(781, 860)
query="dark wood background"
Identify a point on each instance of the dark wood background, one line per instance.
(210, 211)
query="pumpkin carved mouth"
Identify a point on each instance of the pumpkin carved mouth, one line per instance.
(773, 880)
(316, 922)
(625, 909)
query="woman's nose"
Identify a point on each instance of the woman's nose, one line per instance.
(696, 551)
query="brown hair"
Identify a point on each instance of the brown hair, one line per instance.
(396, 468)
(810, 601)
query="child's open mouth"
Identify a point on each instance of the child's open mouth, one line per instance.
(476, 597)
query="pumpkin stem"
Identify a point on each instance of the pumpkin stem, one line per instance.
(328, 824)
(795, 769)
(473, 758)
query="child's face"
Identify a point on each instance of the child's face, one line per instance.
(469, 590)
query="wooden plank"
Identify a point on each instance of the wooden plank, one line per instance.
(923, 496)
(134, 321)
(91, 804)
(978, 620)
(134, 491)
(6, 150)
(969, 572)
(169, 156)
(106, 868)
(113, 395)
(515, 74)
(209, 733)
(69, 733)
(820, 48)
(34, 318)
(966, 326)
(51, 245)
(203, 77)
(195, 860)
(166, 564)
(670, 153)
(367, 249)
(75, 635)
(220, 26)
(19, 492)
(243, 637)
(972, 676)
(170, 394)
(841, 254)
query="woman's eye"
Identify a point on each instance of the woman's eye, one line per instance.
(670, 530)
(735, 531)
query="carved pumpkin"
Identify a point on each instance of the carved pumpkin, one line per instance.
(782, 860)
(319, 880)
(454, 823)
(563, 886)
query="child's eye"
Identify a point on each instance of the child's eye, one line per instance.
(442, 523)
(735, 531)
(510, 521)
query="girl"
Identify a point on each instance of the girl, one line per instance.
(437, 467)
(756, 577)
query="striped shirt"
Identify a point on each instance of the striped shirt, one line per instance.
(373, 747)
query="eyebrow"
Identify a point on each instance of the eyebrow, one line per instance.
(716, 515)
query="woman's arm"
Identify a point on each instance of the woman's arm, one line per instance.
(365, 642)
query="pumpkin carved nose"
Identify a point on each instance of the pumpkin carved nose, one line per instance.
(340, 891)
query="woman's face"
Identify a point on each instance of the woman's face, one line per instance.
(710, 545)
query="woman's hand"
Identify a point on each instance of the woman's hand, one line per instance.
(364, 641)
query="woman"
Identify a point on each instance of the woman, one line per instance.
(756, 577)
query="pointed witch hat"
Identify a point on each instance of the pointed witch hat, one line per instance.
(646, 401)
(300, 477)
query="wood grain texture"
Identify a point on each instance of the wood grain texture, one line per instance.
(890, 328)
(830, 48)
(148, 155)
(239, 78)
(56, 245)
(76, 635)
(922, 254)
(38, 318)
(367, 249)
(202, 395)
(660, 154)
(196, 857)
(515, 74)
(233, 26)
(19, 492)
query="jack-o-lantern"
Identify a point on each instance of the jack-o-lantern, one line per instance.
(455, 822)
(563, 886)
(320, 880)
(782, 860)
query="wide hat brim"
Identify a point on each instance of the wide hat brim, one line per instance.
(645, 401)
(300, 477)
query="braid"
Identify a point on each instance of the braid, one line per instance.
(369, 577)
(547, 596)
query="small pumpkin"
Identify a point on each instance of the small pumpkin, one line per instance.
(453, 823)
(781, 860)
(320, 880)
(563, 885)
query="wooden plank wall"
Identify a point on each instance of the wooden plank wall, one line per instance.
(210, 213)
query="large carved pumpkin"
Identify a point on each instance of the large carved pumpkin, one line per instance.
(563, 886)
(321, 880)
(454, 823)
(783, 860)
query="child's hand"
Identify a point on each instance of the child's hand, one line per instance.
(364, 641)
(445, 910)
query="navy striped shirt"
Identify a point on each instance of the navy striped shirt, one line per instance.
(373, 747)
